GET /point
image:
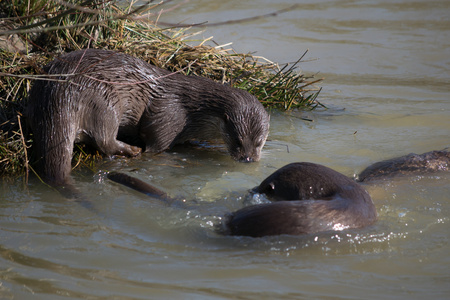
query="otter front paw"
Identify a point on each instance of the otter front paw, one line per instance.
(135, 151)
(127, 150)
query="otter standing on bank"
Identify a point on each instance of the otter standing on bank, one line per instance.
(104, 98)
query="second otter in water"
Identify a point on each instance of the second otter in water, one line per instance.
(309, 198)
(429, 162)
(104, 98)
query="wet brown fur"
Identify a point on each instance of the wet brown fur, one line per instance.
(309, 198)
(118, 104)
(429, 162)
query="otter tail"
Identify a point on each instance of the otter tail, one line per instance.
(54, 132)
(53, 153)
(139, 186)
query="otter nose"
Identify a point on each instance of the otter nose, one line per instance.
(246, 159)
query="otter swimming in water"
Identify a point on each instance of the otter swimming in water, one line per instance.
(429, 162)
(308, 198)
(120, 104)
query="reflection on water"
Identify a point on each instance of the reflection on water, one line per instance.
(387, 88)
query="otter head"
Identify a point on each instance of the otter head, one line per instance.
(245, 131)
(304, 181)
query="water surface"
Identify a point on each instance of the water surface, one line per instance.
(386, 68)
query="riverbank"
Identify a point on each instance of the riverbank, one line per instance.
(35, 32)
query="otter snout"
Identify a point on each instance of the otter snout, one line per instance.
(252, 155)
(247, 159)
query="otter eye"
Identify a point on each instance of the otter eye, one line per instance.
(240, 142)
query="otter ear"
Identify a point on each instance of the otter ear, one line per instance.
(272, 185)
(226, 117)
(270, 189)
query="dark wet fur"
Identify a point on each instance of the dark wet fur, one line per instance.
(334, 203)
(104, 105)
(429, 162)
(310, 198)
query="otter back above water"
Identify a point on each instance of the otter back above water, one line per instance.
(120, 104)
(309, 198)
(429, 162)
